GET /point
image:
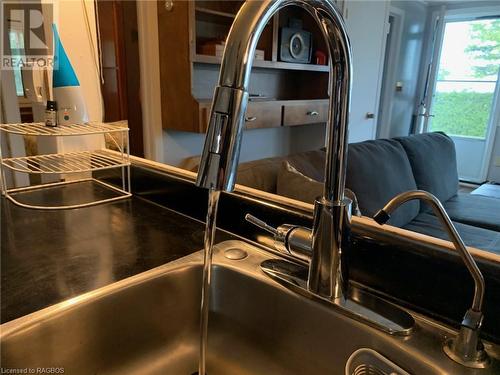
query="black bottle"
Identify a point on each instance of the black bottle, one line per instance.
(51, 113)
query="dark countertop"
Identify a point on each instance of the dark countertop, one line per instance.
(50, 256)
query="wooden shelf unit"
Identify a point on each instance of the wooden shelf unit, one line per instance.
(214, 12)
(189, 76)
(207, 59)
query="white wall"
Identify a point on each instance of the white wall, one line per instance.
(494, 170)
(11, 145)
(409, 60)
(149, 61)
(457, 5)
(366, 23)
(81, 49)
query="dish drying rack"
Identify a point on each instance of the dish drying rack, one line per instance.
(69, 162)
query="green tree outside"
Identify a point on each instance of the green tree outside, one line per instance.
(486, 47)
(462, 113)
(466, 113)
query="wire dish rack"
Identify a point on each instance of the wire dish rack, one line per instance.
(63, 165)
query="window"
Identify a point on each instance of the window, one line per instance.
(467, 76)
(16, 41)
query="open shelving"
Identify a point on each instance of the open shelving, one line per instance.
(266, 64)
(190, 63)
(215, 12)
(71, 162)
(62, 165)
(39, 129)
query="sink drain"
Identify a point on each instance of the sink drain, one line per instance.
(235, 254)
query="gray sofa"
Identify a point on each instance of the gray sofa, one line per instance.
(379, 169)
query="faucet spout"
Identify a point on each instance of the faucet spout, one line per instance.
(220, 155)
(383, 215)
(466, 348)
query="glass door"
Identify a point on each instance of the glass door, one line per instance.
(465, 96)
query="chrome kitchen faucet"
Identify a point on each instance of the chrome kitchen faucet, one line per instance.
(222, 145)
(327, 272)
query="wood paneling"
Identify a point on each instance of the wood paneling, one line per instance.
(114, 87)
(265, 114)
(133, 77)
(119, 50)
(179, 108)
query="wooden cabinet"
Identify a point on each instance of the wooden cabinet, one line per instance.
(190, 62)
(302, 112)
(260, 114)
(263, 114)
(275, 113)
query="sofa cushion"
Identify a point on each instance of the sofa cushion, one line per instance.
(378, 170)
(260, 174)
(434, 163)
(310, 163)
(295, 185)
(263, 174)
(480, 238)
(476, 210)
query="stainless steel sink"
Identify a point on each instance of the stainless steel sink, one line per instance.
(148, 324)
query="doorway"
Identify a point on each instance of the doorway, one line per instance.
(391, 62)
(119, 49)
(465, 97)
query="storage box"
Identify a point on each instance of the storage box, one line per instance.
(217, 49)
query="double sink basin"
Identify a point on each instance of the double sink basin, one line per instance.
(149, 324)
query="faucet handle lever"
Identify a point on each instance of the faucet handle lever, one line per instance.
(261, 224)
(288, 239)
